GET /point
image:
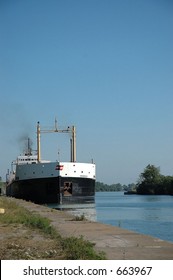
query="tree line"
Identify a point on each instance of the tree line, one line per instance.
(101, 187)
(150, 181)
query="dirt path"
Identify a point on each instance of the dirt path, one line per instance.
(19, 242)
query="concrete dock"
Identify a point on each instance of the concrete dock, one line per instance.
(117, 243)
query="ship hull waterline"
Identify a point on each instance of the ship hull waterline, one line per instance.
(58, 190)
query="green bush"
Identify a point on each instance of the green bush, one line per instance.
(80, 249)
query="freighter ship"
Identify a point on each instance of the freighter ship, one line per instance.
(46, 182)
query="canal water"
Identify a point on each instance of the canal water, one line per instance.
(151, 215)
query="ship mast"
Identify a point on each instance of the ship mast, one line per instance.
(38, 142)
(71, 130)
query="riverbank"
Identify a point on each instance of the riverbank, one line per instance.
(25, 234)
(117, 243)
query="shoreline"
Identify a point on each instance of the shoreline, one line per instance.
(117, 243)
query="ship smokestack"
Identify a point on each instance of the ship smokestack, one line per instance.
(29, 150)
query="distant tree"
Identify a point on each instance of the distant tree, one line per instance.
(152, 182)
(167, 185)
(150, 175)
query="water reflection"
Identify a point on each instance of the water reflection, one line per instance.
(88, 210)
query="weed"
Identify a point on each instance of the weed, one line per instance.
(79, 218)
(80, 249)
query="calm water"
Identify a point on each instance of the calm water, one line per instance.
(151, 215)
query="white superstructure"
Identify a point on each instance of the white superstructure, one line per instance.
(43, 181)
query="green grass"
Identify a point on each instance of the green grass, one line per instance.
(74, 248)
(15, 214)
(78, 248)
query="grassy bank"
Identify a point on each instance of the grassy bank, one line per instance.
(26, 235)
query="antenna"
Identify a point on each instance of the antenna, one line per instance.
(56, 124)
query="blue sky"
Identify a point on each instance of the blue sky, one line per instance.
(105, 66)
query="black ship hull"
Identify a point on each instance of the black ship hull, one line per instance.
(59, 190)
